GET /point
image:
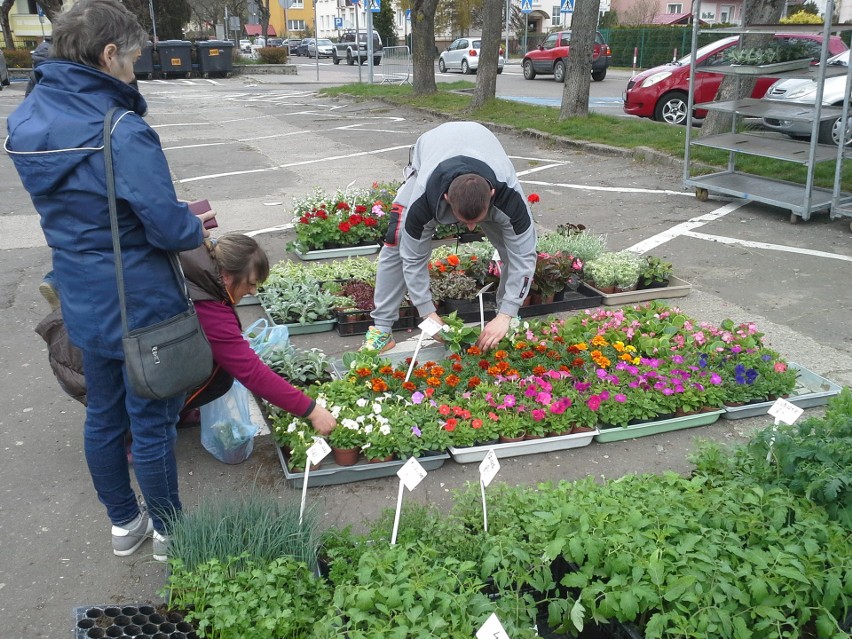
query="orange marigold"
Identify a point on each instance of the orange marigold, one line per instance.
(386, 370)
(539, 370)
(453, 260)
(501, 354)
(363, 372)
(399, 375)
(599, 340)
(379, 385)
(473, 382)
(512, 372)
(474, 350)
(433, 381)
(409, 386)
(553, 354)
(581, 346)
(452, 380)
(437, 371)
(457, 367)
(540, 347)
(527, 355)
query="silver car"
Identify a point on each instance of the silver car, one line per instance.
(4, 72)
(463, 55)
(323, 45)
(804, 92)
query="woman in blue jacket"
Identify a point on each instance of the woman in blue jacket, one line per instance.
(56, 143)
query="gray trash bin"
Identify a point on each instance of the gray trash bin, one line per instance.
(175, 57)
(144, 66)
(215, 57)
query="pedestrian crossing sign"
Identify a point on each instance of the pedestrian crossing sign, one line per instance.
(376, 6)
(526, 6)
(567, 6)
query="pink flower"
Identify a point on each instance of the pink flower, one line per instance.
(780, 367)
(620, 398)
(594, 402)
(538, 415)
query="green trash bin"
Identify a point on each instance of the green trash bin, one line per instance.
(144, 66)
(215, 57)
(175, 57)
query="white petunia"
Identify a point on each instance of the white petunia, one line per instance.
(362, 401)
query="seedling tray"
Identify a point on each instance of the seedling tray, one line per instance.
(584, 297)
(130, 620)
(344, 251)
(811, 390)
(644, 429)
(432, 352)
(676, 288)
(527, 447)
(330, 474)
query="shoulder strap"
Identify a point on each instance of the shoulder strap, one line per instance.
(113, 222)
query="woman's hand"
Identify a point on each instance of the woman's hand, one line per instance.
(322, 420)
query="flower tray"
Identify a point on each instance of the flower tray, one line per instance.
(396, 356)
(617, 433)
(128, 620)
(330, 474)
(343, 251)
(359, 327)
(320, 326)
(527, 447)
(775, 67)
(584, 297)
(676, 288)
(811, 390)
(249, 300)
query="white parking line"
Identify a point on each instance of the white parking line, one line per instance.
(609, 189)
(683, 228)
(765, 245)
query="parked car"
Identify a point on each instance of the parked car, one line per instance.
(323, 45)
(245, 46)
(4, 72)
(661, 93)
(275, 42)
(551, 57)
(352, 46)
(463, 55)
(293, 45)
(302, 49)
(802, 91)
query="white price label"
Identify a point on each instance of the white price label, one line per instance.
(785, 411)
(430, 327)
(318, 451)
(489, 467)
(411, 473)
(492, 629)
(485, 289)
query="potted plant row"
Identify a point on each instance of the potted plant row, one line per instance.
(343, 224)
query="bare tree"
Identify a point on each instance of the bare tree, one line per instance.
(5, 8)
(575, 94)
(486, 74)
(263, 11)
(423, 46)
(641, 12)
(757, 12)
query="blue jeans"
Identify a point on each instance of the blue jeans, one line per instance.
(113, 409)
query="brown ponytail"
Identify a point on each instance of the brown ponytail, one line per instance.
(240, 256)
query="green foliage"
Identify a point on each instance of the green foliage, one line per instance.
(767, 55)
(171, 17)
(812, 458)
(296, 302)
(273, 55)
(614, 269)
(384, 23)
(655, 269)
(18, 58)
(278, 599)
(299, 367)
(236, 530)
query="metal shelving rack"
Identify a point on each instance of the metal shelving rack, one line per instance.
(802, 199)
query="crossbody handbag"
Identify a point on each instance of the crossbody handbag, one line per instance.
(172, 356)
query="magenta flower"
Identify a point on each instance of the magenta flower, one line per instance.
(543, 398)
(538, 414)
(594, 402)
(620, 398)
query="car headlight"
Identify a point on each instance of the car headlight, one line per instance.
(651, 80)
(802, 91)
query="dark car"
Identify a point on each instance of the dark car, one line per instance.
(302, 49)
(551, 56)
(275, 42)
(292, 44)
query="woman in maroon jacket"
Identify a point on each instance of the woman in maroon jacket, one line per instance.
(219, 274)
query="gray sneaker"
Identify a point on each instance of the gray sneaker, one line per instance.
(161, 547)
(127, 538)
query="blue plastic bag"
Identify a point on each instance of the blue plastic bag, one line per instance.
(227, 431)
(264, 336)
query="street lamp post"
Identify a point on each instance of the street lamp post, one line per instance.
(153, 20)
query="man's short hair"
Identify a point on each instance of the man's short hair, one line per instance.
(82, 31)
(469, 196)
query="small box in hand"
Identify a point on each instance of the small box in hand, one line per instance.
(202, 206)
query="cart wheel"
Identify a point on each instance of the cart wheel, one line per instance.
(702, 195)
(794, 219)
(188, 75)
(150, 76)
(228, 74)
(205, 75)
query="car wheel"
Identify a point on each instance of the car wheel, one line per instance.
(349, 59)
(529, 72)
(335, 59)
(830, 132)
(672, 108)
(598, 76)
(442, 66)
(499, 70)
(559, 71)
(377, 61)
(465, 67)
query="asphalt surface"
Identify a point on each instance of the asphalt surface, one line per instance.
(250, 145)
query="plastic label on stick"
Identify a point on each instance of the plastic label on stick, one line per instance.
(411, 473)
(785, 411)
(492, 629)
(430, 327)
(318, 451)
(489, 467)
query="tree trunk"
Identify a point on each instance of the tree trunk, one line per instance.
(423, 46)
(5, 8)
(757, 12)
(578, 72)
(263, 10)
(486, 75)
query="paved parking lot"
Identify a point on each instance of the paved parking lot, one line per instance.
(250, 145)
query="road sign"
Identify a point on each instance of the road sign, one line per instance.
(338, 23)
(408, 15)
(526, 6)
(567, 6)
(376, 6)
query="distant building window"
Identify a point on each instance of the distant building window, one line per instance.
(556, 20)
(674, 8)
(295, 25)
(298, 4)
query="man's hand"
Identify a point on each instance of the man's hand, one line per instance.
(494, 331)
(322, 420)
(206, 223)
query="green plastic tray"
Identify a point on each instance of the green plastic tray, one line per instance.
(615, 434)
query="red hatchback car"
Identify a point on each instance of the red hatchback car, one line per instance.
(661, 93)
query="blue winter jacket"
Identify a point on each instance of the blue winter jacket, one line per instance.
(56, 143)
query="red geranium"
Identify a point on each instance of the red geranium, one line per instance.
(532, 198)
(344, 227)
